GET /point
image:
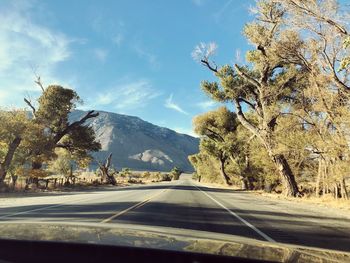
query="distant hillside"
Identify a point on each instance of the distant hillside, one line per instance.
(140, 145)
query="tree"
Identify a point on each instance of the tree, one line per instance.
(55, 104)
(206, 167)
(106, 174)
(219, 132)
(14, 125)
(266, 87)
(175, 173)
(325, 56)
(62, 164)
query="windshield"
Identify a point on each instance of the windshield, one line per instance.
(215, 120)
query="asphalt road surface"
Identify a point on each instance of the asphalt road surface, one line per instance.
(186, 204)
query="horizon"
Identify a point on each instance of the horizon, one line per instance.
(134, 116)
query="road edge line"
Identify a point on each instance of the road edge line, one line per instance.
(262, 234)
(81, 200)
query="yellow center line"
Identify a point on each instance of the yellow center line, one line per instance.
(132, 207)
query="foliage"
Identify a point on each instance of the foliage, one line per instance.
(44, 135)
(291, 101)
(345, 62)
(125, 172)
(62, 164)
(175, 173)
(55, 104)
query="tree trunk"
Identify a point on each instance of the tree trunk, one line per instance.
(14, 180)
(8, 158)
(223, 173)
(244, 183)
(288, 179)
(336, 190)
(319, 174)
(104, 168)
(245, 180)
(343, 191)
(243, 176)
(36, 165)
(47, 183)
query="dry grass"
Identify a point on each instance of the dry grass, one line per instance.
(325, 201)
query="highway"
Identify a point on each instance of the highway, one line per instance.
(186, 204)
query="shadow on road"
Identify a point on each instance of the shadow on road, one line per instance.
(82, 190)
(176, 187)
(192, 217)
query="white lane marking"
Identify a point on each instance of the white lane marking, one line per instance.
(33, 210)
(62, 204)
(142, 203)
(239, 218)
(139, 204)
(57, 205)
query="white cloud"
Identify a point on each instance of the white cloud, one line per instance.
(218, 15)
(150, 57)
(205, 105)
(100, 54)
(118, 39)
(197, 2)
(108, 27)
(125, 96)
(26, 49)
(169, 103)
(104, 99)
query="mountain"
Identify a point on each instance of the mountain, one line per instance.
(138, 144)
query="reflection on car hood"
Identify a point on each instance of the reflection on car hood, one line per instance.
(167, 238)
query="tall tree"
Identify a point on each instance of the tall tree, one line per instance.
(55, 104)
(12, 131)
(325, 102)
(220, 127)
(263, 89)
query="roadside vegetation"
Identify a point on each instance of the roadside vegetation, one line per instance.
(284, 126)
(43, 149)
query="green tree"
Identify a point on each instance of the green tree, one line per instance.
(215, 127)
(14, 125)
(175, 173)
(324, 54)
(55, 104)
(266, 87)
(206, 167)
(62, 164)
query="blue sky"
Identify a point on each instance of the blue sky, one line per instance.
(129, 56)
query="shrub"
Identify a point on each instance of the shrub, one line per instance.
(175, 173)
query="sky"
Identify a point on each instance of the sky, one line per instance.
(125, 56)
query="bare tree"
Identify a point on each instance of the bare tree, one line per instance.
(106, 174)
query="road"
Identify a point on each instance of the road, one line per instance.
(186, 204)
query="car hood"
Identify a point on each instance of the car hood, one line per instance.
(168, 239)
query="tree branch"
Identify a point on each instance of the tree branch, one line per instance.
(108, 161)
(207, 64)
(215, 134)
(72, 126)
(329, 21)
(31, 106)
(38, 81)
(247, 78)
(247, 102)
(242, 118)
